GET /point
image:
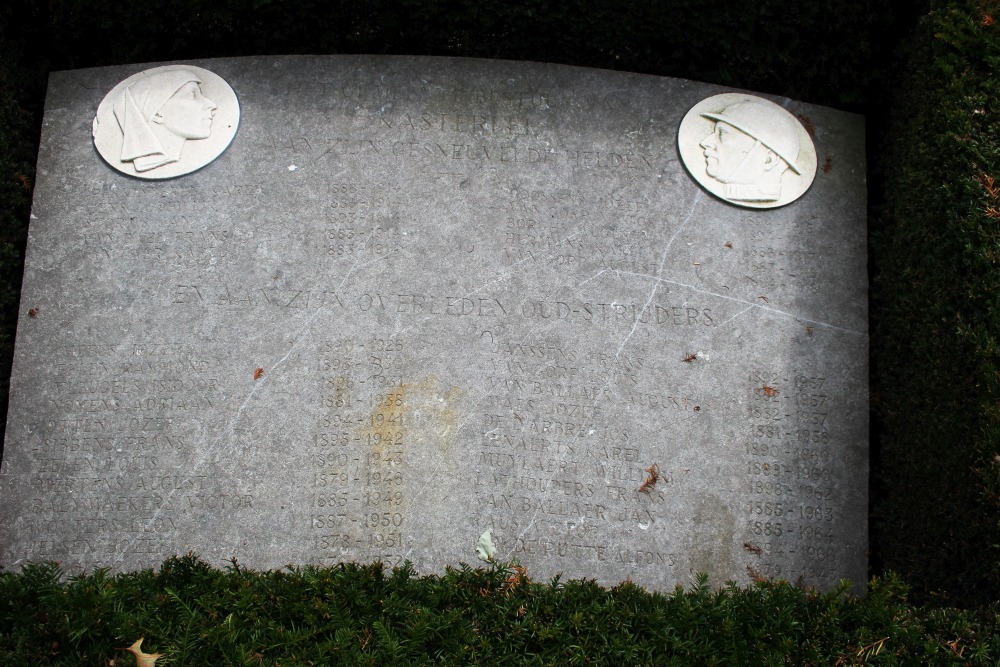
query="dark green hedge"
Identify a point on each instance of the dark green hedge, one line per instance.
(935, 252)
(18, 145)
(363, 615)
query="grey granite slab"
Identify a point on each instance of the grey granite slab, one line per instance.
(418, 298)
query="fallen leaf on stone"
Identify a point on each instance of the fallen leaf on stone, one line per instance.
(258, 373)
(142, 659)
(654, 475)
(485, 548)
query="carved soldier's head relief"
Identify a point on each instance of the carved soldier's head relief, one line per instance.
(751, 150)
(162, 122)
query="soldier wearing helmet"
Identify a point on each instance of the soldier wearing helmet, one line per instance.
(749, 150)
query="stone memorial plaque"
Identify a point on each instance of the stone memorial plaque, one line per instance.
(417, 299)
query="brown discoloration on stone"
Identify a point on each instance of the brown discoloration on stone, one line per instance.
(412, 414)
(385, 429)
(807, 123)
(416, 411)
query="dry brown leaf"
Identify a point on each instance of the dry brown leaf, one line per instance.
(142, 659)
(654, 474)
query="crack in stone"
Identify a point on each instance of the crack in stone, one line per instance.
(303, 332)
(753, 305)
(659, 270)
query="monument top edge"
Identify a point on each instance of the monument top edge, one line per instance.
(537, 66)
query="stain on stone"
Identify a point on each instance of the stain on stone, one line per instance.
(714, 527)
(409, 414)
(384, 432)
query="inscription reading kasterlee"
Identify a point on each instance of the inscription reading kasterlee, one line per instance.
(422, 298)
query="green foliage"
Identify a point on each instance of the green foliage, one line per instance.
(936, 313)
(18, 145)
(363, 615)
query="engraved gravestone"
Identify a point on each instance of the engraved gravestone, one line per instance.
(405, 301)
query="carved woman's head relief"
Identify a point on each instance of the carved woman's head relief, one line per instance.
(158, 113)
(163, 122)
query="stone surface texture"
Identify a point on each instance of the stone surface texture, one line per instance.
(421, 298)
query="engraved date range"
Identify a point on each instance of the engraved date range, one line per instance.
(358, 493)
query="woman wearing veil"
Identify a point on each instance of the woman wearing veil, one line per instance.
(158, 113)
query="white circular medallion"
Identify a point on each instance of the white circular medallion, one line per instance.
(747, 150)
(166, 121)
